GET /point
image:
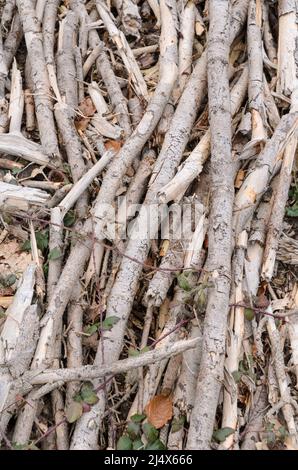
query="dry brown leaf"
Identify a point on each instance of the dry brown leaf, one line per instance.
(159, 410)
(82, 124)
(199, 28)
(251, 194)
(87, 109)
(113, 145)
(239, 179)
(164, 248)
(163, 316)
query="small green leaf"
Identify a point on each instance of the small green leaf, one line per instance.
(293, 210)
(8, 280)
(55, 253)
(156, 445)
(237, 374)
(74, 411)
(178, 423)
(78, 398)
(221, 434)
(137, 445)
(17, 446)
(150, 432)
(124, 443)
(91, 329)
(183, 282)
(282, 432)
(145, 349)
(270, 438)
(69, 218)
(249, 314)
(133, 430)
(137, 418)
(26, 246)
(88, 394)
(133, 352)
(16, 171)
(42, 240)
(109, 322)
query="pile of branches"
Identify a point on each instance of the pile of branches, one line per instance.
(114, 335)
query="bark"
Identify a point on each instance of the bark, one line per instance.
(220, 232)
(43, 105)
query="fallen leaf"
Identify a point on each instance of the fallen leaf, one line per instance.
(239, 179)
(262, 301)
(87, 107)
(164, 248)
(87, 110)
(74, 411)
(159, 410)
(113, 145)
(251, 194)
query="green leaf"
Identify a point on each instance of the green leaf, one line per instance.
(221, 434)
(133, 430)
(74, 411)
(69, 218)
(133, 352)
(293, 211)
(270, 438)
(78, 398)
(282, 432)
(150, 432)
(55, 253)
(16, 171)
(137, 418)
(42, 240)
(8, 280)
(109, 322)
(91, 329)
(183, 282)
(137, 445)
(88, 394)
(124, 443)
(178, 423)
(237, 374)
(145, 349)
(249, 314)
(156, 445)
(26, 246)
(17, 446)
